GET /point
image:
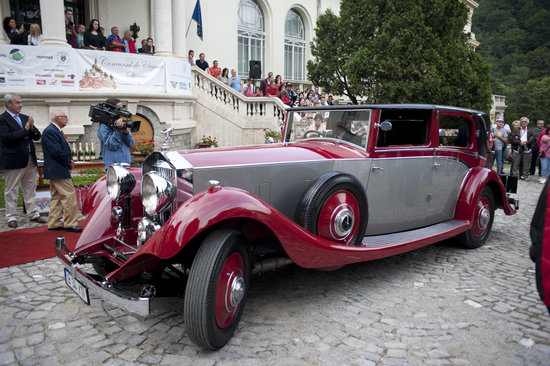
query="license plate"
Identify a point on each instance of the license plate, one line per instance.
(77, 286)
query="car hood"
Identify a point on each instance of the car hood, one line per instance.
(310, 150)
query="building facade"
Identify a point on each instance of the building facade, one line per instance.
(274, 35)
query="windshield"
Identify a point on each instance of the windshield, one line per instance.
(346, 125)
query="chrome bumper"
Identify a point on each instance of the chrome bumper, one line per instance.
(136, 305)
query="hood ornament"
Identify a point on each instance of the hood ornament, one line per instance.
(166, 133)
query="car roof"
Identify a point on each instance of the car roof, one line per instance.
(386, 106)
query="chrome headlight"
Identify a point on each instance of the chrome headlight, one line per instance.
(156, 192)
(120, 182)
(145, 230)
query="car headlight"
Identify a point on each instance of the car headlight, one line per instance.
(120, 182)
(156, 192)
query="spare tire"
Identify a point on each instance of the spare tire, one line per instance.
(335, 208)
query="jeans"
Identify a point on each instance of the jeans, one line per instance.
(545, 166)
(499, 156)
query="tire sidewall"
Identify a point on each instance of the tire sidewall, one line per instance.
(309, 208)
(468, 239)
(211, 335)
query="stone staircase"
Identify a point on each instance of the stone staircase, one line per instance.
(221, 112)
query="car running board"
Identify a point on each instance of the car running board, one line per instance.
(426, 235)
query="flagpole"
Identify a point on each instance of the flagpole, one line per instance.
(188, 27)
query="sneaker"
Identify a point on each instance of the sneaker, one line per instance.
(542, 181)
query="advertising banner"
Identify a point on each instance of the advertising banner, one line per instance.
(44, 68)
(121, 71)
(178, 76)
(62, 69)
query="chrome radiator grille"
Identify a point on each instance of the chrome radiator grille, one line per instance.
(158, 162)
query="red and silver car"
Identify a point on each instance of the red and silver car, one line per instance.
(347, 184)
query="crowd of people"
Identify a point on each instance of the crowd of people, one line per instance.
(528, 147)
(78, 36)
(271, 86)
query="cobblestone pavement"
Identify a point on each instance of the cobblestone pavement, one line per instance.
(439, 305)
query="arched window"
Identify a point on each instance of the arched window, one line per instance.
(250, 34)
(295, 46)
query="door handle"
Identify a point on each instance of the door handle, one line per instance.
(374, 167)
(437, 165)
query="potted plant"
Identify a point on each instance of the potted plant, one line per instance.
(272, 136)
(207, 142)
(141, 149)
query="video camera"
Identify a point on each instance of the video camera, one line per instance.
(108, 114)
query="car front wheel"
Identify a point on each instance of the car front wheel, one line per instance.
(482, 221)
(216, 289)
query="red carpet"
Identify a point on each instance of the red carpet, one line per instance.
(28, 245)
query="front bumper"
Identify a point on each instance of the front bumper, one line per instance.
(102, 290)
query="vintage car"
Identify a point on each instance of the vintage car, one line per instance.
(347, 184)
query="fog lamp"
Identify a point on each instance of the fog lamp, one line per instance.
(145, 230)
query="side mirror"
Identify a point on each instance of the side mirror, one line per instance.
(385, 126)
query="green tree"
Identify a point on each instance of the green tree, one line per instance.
(515, 41)
(399, 51)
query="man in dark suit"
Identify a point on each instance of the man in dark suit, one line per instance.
(18, 159)
(58, 164)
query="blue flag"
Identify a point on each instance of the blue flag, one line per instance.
(198, 18)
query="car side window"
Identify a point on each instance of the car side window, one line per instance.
(408, 128)
(455, 131)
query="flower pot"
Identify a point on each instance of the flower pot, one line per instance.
(203, 145)
(138, 158)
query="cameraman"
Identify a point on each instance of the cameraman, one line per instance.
(115, 142)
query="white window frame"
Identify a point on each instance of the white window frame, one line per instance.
(249, 39)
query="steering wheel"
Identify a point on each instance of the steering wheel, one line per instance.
(312, 132)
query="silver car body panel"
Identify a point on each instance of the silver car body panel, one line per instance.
(270, 182)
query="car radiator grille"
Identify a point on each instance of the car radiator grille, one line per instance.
(168, 173)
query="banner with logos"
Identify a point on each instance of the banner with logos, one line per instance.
(178, 76)
(44, 68)
(57, 68)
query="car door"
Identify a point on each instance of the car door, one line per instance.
(455, 154)
(399, 186)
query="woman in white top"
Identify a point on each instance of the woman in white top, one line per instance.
(35, 35)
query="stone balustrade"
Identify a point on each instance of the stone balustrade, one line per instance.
(244, 106)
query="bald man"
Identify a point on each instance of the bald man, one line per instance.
(58, 164)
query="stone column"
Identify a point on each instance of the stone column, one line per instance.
(162, 18)
(178, 18)
(3, 37)
(52, 15)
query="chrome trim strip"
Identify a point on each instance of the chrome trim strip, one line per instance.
(278, 163)
(136, 305)
(458, 151)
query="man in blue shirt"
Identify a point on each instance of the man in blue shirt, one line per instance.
(115, 142)
(235, 82)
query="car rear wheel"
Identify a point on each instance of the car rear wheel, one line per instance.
(482, 221)
(216, 289)
(335, 208)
